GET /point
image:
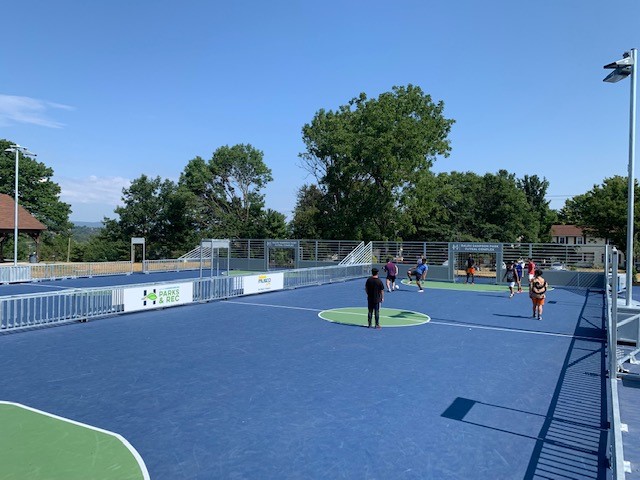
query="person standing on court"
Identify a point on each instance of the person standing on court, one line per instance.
(375, 296)
(531, 270)
(511, 275)
(420, 273)
(471, 269)
(538, 292)
(392, 271)
(519, 270)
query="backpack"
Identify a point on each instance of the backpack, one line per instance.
(539, 288)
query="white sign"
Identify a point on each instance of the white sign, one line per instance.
(267, 282)
(157, 296)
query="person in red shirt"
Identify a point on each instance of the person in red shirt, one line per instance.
(531, 269)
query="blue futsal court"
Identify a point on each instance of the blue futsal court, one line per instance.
(261, 387)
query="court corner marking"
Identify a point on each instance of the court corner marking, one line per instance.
(124, 441)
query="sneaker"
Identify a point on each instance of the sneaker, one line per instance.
(388, 290)
(378, 327)
(421, 290)
(539, 318)
(511, 295)
(397, 287)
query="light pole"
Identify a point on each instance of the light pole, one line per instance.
(17, 149)
(628, 66)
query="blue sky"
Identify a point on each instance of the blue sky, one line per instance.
(106, 91)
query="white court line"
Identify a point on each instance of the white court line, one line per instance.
(436, 322)
(51, 286)
(514, 330)
(276, 306)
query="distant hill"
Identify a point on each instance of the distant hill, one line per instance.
(88, 224)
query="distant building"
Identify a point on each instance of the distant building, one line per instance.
(27, 223)
(589, 254)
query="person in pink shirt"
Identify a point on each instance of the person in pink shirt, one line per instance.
(392, 271)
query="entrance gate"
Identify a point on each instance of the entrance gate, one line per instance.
(488, 261)
(281, 254)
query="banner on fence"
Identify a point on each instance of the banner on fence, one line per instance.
(267, 282)
(157, 296)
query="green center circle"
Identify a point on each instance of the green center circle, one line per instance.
(389, 317)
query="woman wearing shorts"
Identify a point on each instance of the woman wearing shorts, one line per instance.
(537, 292)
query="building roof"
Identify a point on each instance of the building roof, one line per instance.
(566, 231)
(26, 221)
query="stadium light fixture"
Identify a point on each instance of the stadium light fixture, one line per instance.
(627, 66)
(17, 149)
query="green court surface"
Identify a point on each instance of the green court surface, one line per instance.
(389, 317)
(470, 287)
(35, 445)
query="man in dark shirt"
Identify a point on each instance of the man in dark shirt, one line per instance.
(375, 296)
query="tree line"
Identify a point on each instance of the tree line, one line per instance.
(371, 160)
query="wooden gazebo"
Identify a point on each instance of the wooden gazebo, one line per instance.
(27, 223)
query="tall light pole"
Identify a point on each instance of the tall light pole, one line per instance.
(628, 66)
(16, 148)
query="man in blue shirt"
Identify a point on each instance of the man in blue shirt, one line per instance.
(420, 273)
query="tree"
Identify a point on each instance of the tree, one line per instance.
(272, 224)
(225, 199)
(152, 209)
(468, 207)
(364, 154)
(602, 211)
(307, 214)
(536, 190)
(39, 195)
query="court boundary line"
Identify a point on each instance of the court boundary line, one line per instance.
(364, 314)
(438, 322)
(124, 441)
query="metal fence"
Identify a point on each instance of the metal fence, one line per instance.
(616, 357)
(250, 255)
(41, 309)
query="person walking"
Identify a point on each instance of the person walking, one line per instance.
(420, 273)
(392, 271)
(538, 293)
(471, 269)
(511, 275)
(519, 270)
(375, 296)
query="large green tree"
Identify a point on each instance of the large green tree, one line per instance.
(307, 214)
(602, 211)
(152, 208)
(225, 192)
(468, 207)
(535, 189)
(366, 152)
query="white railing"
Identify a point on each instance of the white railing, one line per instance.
(616, 457)
(55, 271)
(362, 254)
(22, 312)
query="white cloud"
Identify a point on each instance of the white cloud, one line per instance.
(94, 190)
(14, 109)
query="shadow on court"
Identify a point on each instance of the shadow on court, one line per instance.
(262, 387)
